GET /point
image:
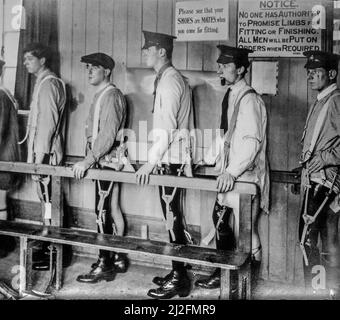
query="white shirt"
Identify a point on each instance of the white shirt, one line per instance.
(250, 130)
(172, 120)
(247, 159)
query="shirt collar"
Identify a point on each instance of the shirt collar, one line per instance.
(238, 85)
(325, 92)
(162, 69)
(104, 88)
(43, 75)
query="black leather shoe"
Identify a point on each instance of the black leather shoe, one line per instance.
(161, 280)
(178, 284)
(95, 264)
(212, 282)
(120, 263)
(103, 271)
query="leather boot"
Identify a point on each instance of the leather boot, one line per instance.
(119, 260)
(103, 271)
(161, 280)
(178, 284)
(212, 282)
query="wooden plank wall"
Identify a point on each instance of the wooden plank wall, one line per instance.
(114, 27)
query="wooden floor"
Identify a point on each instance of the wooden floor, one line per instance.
(135, 283)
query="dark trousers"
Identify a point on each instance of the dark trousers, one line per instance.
(107, 223)
(178, 227)
(325, 226)
(225, 239)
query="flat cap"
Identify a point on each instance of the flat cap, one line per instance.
(233, 54)
(162, 40)
(321, 59)
(99, 59)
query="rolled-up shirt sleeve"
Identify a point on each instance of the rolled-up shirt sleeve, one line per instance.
(165, 119)
(48, 116)
(112, 116)
(247, 136)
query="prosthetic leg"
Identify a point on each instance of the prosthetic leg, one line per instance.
(225, 240)
(45, 258)
(317, 218)
(330, 253)
(41, 258)
(103, 269)
(106, 225)
(177, 281)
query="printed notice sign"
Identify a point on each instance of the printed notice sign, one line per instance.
(278, 28)
(206, 20)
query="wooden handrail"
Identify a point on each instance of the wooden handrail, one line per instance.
(207, 184)
(279, 176)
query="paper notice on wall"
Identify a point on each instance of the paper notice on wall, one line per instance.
(206, 20)
(264, 76)
(284, 28)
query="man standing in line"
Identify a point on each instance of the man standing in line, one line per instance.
(320, 180)
(9, 150)
(106, 118)
(244, 124)
(45, 129)
(170, 151)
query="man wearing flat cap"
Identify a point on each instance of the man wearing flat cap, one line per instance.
(9, 150)
(242, 154)
(104, 126)
(45, 129)
(320, 180)
(170, 152)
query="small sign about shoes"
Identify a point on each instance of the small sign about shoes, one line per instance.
(202, 20)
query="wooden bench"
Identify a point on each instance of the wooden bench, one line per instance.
(231, 263)
(226, 260)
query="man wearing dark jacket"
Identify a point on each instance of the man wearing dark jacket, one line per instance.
(9, 150)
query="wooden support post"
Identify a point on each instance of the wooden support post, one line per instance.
(244, 282)
(225, 285)
(245, 245)
(29, 258)
(23, 265)
(59, 266)
(57, 221)
(245, 224)
(57, 202)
